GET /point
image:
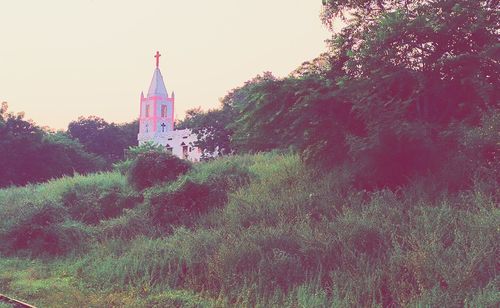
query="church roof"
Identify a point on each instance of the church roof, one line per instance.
(157, 87)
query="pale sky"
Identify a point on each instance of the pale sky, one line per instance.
(61, 59)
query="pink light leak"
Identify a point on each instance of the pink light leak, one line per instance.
(157, 56)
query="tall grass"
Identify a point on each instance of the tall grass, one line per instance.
(58, 216)
(286, 236)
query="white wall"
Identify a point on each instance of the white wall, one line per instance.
(176, 140)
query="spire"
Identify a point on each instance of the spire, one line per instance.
(157, 87)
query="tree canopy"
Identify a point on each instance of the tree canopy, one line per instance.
(402, 85)
(30, 154)
(108, 140)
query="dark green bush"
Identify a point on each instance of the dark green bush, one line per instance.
(43, 230)
(197, 192)
(368, 240)
(132, 223)
(391, 160)
(154, 167)
(179, 202)
(90, 204)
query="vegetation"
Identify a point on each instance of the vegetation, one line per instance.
(155, 167)
(108, 140)
(277, 234)
(397, 97)
(368, 177)
(30, 154)
(58, 216)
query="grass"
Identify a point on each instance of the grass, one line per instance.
(282, 235)
(60, 216)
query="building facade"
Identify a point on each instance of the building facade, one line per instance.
(156, 120)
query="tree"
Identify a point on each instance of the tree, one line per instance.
(389, 98)
(152, 168)
(145, 147)
(63, 155)
(415, 70)
(30, 154)
(102, 138)
(212, 129)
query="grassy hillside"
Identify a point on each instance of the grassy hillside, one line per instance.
(255, 230)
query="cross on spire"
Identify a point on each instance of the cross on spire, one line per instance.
(157, 56)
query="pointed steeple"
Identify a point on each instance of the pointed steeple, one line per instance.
(157, 87)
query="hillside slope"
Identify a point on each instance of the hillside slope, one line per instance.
(255, 230)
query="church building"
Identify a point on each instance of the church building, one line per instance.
(156, 120)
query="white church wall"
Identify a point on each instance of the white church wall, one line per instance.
(179, 142)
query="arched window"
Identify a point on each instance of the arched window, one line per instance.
(184, 150)
(168, 149)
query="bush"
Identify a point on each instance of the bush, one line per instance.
(290, 237)
(89, 203)
(204, 188)
(154, 167)
(179, 202)
(132, 223)
(269, 256)
(40, 219)
(123, 166)
(43, 230)
(368, 240)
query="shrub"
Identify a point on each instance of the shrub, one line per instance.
(132, 223)
(178, 202)
(204, 188)
(368, 240)
(40, 219)
(43, 230)
(35, 229)
(289, 238)
(123, 166)
(268, 255)
(88, 203)
(154, 167)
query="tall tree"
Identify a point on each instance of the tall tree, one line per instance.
(102, 138)
(211, 128)
(29, 154)
(389, 98)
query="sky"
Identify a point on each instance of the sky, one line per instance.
(63, 59)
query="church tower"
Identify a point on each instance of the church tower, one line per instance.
(157, 108)
(156, 120)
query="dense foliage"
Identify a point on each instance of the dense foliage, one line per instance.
(151, 168)
(276, 234)
(181, 202)
(29, 154)
(211, 129)
(108, 140)
(56, 217)
(391, 200)
(401, 90)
